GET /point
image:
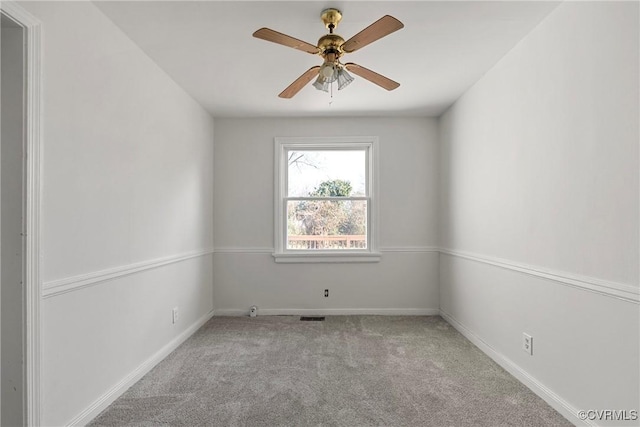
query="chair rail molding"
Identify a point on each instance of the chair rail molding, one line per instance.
(243, 250)
(620, 291)
(270, 250)
(409, 249)
(69, 284)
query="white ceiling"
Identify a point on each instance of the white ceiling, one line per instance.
(207, 48)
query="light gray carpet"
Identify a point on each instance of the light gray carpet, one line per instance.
(345, 371)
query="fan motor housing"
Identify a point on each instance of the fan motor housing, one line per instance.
(331, 43)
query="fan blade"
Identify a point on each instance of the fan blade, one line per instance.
(382, 27)
(372, 76)
(300, 82)
(283, 39)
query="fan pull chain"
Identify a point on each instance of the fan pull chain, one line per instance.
(331, 93)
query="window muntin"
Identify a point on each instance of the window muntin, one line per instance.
(325, 199)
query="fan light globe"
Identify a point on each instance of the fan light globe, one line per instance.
(327, 71)
(344, 79)
(321, 84)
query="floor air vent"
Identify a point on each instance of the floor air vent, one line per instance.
(312, 318)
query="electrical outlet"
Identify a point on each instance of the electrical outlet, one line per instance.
(326, 293)
(174, 315)
(527, 343)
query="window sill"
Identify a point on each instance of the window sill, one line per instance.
(327, 257)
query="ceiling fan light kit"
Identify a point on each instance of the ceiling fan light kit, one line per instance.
(329, 73)
(331, 47)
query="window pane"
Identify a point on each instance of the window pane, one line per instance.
(326, 173)
(327, 224)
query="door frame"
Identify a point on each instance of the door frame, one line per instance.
(32, 193)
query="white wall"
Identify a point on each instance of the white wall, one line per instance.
(127, 194)
(11, 373)
(542, 150)
(405, 281)
(540, 177)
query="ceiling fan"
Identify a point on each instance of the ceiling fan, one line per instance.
(331, 47)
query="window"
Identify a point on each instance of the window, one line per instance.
(325, 200)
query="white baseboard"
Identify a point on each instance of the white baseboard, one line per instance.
(330, 311)
(118, 389)
(556, 402)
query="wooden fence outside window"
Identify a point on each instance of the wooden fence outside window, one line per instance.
(346, 241)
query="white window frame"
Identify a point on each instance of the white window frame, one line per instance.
(282, 145)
